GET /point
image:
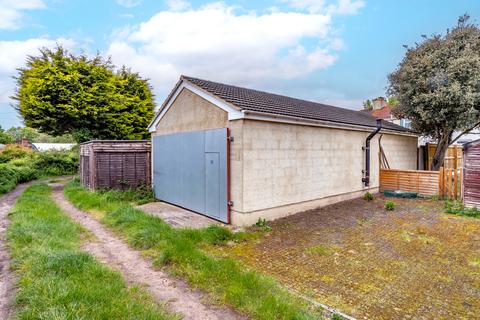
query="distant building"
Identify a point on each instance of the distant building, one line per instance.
(382, 110)
(52, 146)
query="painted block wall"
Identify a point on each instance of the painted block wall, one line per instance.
(190, 112)
(287, 164)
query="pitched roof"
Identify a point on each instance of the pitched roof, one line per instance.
(382, 113)
(269, 103)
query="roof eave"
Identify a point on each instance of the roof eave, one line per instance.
(263, 116)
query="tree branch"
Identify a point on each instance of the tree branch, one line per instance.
(465, 132)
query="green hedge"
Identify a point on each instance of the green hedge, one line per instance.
(19, 165)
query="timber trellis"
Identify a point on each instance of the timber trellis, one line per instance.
(119, 164)
(446, 183)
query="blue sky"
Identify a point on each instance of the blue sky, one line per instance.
(333, 51)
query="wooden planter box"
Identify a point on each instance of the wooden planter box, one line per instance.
(118, 164)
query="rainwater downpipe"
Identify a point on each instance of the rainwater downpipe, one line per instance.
(366, 178)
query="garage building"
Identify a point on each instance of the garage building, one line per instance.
(238, 154)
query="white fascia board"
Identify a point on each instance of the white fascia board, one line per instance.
(318, 123)
(233, 113)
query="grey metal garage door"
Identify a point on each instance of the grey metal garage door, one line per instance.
(190, 170)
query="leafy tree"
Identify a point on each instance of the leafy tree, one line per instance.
(392, 101)
(32, 135)
(59, 93)
(5, 138)
(438, 85)
(18, 133)
(367, 105)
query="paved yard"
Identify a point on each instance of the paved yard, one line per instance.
(177, 217)
(413, 263)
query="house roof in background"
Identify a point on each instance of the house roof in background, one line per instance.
(269, 103)
(382, 113)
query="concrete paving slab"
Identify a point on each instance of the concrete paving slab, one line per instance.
(178, 217)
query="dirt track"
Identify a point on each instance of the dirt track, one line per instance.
(114, 252)
(6, 277)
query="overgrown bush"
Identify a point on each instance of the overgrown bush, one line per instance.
(457, 207)
(19, 164)
(56, 163)
(368, 196)
(389, 205)
(13, 151)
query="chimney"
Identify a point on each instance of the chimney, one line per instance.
(25, 142)
(379, 103)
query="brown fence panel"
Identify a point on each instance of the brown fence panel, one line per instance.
(453, 157)
(423, 182)
(446, 183)
(450, 183)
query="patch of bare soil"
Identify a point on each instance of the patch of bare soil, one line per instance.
(412, 263)
(7, 291)
(179, 298)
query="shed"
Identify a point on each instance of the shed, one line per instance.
(237, 154)
(471, 174)
(119, 164)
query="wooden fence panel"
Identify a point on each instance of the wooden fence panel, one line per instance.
(453, 157)
(423, 182)
(446, 183)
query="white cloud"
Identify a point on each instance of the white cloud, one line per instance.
(13, 55)
(129, 3)
(11, 12)
(178, 5)
(218, 43)
(347, 7)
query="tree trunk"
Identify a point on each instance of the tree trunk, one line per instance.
(442, 147)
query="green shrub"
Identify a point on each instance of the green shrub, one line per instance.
(368, 196)
(18, 165)
(12, 152)
(56, 163)
(457, 207)
(389, 205)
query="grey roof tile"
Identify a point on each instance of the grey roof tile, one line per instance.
(264, 102)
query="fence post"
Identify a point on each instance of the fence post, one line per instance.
(440, 182)
(455, 173)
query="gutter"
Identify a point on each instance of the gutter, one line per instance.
(263, 116)
(366, 178)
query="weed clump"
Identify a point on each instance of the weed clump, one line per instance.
(390, 205)
(263, 224)
(457, 207)
(368, 196)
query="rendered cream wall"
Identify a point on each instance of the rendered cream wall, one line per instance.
(190, 112)
(290, 168)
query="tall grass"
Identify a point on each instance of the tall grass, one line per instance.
(227, 280)
(56, 279)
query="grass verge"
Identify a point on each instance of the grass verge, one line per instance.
(56, 279)
(228, 281)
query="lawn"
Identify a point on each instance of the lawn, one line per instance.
(182, 252)
(56, 279)
(413, 262)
